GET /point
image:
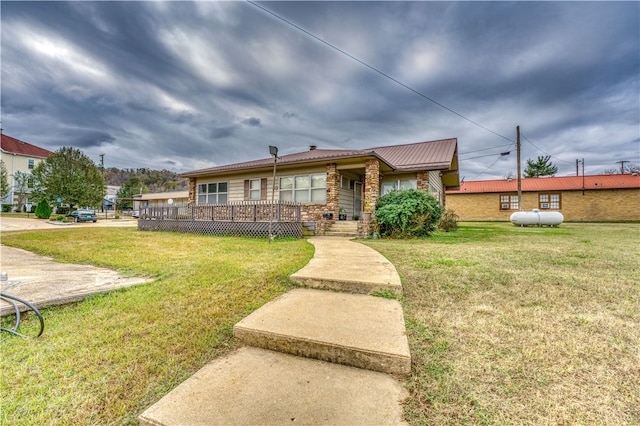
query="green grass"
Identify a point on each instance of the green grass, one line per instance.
(511, 325)
(506, 325)
(104, 360)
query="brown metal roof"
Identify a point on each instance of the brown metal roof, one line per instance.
(15, 146)
(561, 183)
(433, 155)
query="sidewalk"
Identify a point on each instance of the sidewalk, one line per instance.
(315, 357)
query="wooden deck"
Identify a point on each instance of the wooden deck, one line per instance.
(239, 219)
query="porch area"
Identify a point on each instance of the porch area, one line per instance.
(251, 219)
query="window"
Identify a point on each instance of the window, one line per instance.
(253, 189)
(509, 202)
(31, 163)
(400, 184)
(304, 189)
(549, 201)
(213, 193)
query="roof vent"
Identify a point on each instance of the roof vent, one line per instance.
(313, 147)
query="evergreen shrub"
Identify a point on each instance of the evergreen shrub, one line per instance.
(408, 213)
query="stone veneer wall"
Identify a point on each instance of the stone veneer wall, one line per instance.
(422, 181)
(192, 190)
(333, 186)
(371, 185)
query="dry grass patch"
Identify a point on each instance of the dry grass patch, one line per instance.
(104, 360)
(512, 325)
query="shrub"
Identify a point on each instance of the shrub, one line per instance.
(43, 210)
(6, 208)
(449, 221)
(407, 213)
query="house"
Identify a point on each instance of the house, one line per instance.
(325, 182)
(159, 198)
(19, 156)
(593, 198)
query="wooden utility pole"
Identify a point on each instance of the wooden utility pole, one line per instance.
(518, 167)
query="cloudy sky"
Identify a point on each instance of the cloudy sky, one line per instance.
(187, 85)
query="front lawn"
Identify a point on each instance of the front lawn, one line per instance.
(106, 359)
(511, 325)
(506, 325)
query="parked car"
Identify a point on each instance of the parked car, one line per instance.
(83, 216)
(135, 214)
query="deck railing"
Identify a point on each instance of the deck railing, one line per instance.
(242, 211)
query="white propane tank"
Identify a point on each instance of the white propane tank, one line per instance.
(536, 217)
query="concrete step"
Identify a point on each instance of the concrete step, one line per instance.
(338, 264)
(347, 234)
(350, 329)
(255, 386)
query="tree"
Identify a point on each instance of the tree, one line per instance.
(70, 175)
(43, 210)
(626, 168)
(21, 183)
(130, 188)
(4, 181)
(541, 167)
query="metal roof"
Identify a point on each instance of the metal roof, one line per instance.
(431, 155)
(559, 183)
(16, 146)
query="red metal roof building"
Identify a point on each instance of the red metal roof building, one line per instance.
(11, 145)
(590, 198)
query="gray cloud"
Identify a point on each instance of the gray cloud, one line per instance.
(182, 84)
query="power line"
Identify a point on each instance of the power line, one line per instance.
(502, 154)
(375, 69)
(544, 152)
(485, 149)
(485, 170)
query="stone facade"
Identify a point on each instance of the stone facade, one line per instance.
(333, 186)
(192, 190)
(371, 185)
(602, 205)
(422, 181)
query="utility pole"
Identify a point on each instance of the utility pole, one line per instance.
(577, 162)
(622, 165)
(518, 167)
(583, 176)
(103, 206)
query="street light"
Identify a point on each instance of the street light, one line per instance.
(273, 150)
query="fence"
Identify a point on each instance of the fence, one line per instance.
(239, 218)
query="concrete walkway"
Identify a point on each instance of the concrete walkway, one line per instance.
(43, 282)
(314, 357)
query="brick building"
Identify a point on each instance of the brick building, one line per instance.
(594, 198)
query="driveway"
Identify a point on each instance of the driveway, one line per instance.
(43, 282)
(23, 223)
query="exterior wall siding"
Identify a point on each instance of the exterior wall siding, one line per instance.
(16, 163)
(594, 206)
